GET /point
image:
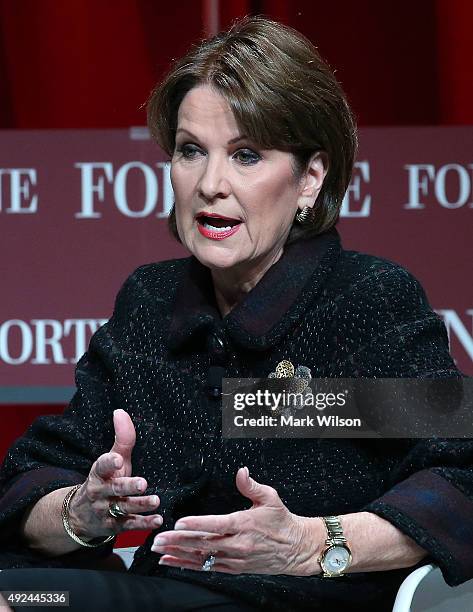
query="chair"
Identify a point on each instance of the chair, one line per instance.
(425, 590)
(126, 554)
(433, 595)
(406, 592)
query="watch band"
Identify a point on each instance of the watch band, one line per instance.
(334, 530)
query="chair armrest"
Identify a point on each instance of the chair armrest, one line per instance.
(408, 587)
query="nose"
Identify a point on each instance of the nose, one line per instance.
(214, 181)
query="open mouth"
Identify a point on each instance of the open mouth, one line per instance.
(216, 223)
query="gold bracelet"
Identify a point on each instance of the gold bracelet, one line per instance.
(67, 526)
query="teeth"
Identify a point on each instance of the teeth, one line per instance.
(217, 229)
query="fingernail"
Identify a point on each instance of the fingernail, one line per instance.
(158, 521)
(139, 486)
(159, 542)
(116, 462)
(154, 500)
(247, 472)
(180, 525)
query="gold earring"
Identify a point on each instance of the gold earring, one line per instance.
(304, 216)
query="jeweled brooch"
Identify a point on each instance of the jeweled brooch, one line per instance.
(300, 376)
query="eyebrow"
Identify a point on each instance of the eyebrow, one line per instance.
(232, 141)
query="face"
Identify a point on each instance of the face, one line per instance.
(235, 202)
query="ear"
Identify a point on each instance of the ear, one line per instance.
(312, 180)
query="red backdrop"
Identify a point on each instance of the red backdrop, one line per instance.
(84, 63)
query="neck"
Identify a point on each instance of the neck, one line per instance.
(231, 286)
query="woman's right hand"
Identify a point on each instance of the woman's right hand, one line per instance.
(110, 480)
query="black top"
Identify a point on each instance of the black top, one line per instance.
(341, 313)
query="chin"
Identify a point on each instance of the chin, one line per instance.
(217, 263)
(216, 258)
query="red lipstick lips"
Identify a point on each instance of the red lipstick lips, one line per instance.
(216, 227)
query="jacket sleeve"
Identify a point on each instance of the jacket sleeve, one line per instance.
(429, 495)
(58, 451)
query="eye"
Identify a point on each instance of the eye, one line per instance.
(188, 150)
(247, 157)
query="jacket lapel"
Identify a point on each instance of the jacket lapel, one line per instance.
(268, 310)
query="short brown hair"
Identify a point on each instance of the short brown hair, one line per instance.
(283, 96)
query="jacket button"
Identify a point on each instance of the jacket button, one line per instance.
(192, 468)
(214, 381)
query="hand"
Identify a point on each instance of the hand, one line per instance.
(110, 480)
(266, 539)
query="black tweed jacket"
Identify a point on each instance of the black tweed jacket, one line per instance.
(343, 314)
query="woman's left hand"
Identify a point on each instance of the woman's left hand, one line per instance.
(265, 539)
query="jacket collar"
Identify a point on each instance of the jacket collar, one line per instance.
(268, 310)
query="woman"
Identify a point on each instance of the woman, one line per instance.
(262, 143)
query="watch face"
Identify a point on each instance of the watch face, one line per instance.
(336, 559)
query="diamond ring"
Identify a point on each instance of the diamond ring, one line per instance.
(209, 563)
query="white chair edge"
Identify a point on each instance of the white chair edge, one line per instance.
(126, 554)
(409, 586)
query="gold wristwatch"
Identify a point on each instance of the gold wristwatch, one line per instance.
(336, 556)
